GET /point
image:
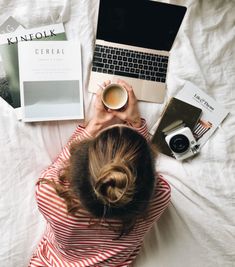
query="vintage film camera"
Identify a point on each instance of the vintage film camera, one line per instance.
(181, 140)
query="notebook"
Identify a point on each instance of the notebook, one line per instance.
(133, 41)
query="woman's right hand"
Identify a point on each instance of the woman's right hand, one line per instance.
(101, 117)
(131, 114)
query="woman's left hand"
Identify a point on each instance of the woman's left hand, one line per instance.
(102, 117)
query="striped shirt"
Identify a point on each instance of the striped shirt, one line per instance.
(72, 240)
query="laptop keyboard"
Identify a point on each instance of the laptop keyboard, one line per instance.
(129, 63)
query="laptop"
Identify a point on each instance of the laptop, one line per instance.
(133, 41)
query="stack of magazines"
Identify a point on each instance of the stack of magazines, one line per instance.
(42, 75)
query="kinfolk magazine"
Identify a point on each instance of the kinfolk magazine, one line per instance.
(9, 53)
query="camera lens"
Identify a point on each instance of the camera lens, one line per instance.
(179, 143)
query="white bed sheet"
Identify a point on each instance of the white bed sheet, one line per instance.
(198, 229)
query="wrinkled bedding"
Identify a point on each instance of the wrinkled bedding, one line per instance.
(198, 229)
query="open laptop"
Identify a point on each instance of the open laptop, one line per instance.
(133, 42)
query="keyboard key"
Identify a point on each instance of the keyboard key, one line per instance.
(98, 64)
(110, 71)
(122, 73)
(97, 54)
(97, 59)
(97, 49)
(165, 60)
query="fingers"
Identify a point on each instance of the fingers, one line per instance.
(125, 84)
(106, 83)
(131, 95)
(118, 114)
(99, 91)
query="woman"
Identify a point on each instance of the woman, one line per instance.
(101, 195)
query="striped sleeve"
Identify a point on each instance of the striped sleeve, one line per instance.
(142, 129)
(52, 171)
(161, 198)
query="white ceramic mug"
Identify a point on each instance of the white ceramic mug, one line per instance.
(114, 96)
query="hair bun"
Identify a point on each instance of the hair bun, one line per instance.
(115, 184)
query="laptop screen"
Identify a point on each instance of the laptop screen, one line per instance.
(140, 23)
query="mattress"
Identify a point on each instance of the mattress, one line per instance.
(198, 228)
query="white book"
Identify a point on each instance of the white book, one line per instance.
(50, 80)
(212, 112)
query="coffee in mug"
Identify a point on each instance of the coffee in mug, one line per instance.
(114, 96)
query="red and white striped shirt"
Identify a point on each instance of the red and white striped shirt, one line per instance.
(72, 241)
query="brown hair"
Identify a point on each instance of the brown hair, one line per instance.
(111, 175)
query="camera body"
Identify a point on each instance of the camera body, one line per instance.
(182, 143)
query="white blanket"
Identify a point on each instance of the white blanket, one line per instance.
(198, 229)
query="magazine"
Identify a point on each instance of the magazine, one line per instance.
(212, 112)
(10, 25)
(9, 53)
(50, 80)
